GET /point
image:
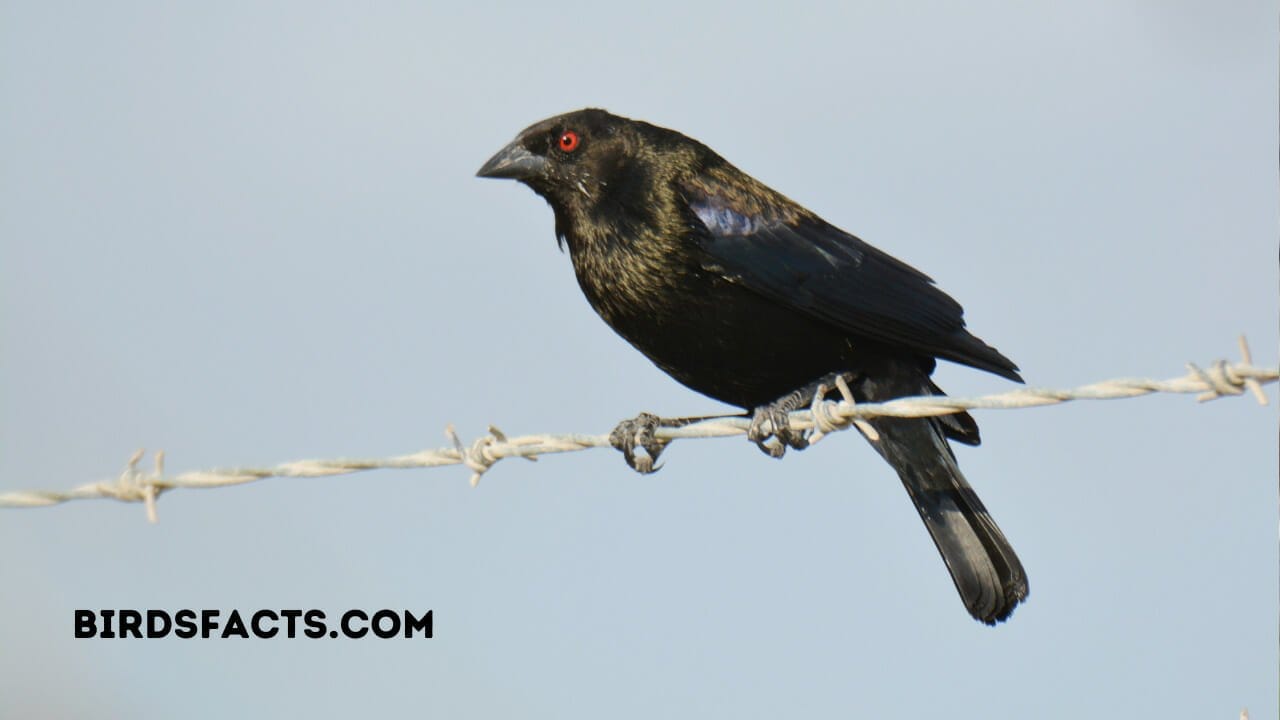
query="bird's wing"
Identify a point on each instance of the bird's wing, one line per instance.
(795, 258)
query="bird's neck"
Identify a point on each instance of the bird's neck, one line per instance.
(623, 262)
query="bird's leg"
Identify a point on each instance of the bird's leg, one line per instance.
(776, 415)
(641, 432)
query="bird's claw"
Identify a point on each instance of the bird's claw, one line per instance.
(639, 432)
(777, 415)
(779, 436)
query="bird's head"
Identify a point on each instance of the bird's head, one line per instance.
(591, 164)
(564, 154)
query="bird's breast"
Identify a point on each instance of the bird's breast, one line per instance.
(628, 284)
(706, 331)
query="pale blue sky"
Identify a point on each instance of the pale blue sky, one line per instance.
(249, 233)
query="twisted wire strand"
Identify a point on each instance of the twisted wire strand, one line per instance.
(824, 416)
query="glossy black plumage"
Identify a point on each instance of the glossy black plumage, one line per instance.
(744, 295)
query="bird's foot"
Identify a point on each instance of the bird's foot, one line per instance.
(639, 433)
(776, 415)
(775, 441)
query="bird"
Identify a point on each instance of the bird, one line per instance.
(745, 296)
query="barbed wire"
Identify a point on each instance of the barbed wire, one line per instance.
(824, 416)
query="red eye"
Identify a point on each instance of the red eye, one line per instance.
(569, 141)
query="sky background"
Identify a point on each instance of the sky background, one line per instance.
(249, 232)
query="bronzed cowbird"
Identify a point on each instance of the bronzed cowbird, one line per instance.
(743, 295)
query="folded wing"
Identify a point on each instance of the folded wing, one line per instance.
(795, 258)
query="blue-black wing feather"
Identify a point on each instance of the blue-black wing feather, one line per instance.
(797, 259)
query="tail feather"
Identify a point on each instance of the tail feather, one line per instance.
(960, 426)
(983, 565)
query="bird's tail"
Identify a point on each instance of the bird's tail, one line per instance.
(983, 565)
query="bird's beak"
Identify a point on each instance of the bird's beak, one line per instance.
(514, 162)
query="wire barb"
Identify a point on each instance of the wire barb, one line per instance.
(823, 416)
(477, 457)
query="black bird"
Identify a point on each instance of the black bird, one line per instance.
(743, 295)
